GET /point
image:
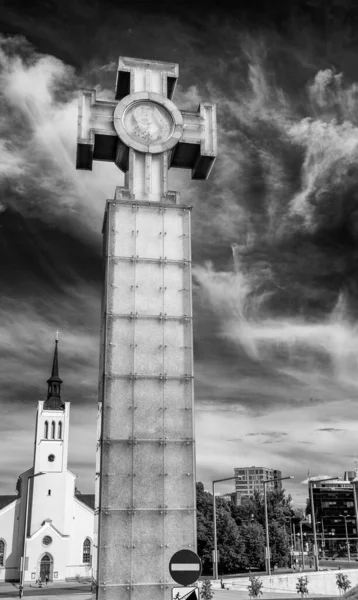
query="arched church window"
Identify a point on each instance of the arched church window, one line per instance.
(86, 558)
(53, 426)
(2, 553)
(46, 430)
(60, 430)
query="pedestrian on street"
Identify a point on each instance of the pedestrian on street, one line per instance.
(21, 590)
(46, 580)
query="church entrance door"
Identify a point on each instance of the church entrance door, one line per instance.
(46, 567)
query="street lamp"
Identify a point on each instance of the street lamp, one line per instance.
(302, 552)
(310, 491)
(345, 525)
(267, 549)
(26, 519)
(215, 561)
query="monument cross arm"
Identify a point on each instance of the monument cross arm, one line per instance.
(143, 132)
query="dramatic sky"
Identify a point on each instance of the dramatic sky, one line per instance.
(275, 229)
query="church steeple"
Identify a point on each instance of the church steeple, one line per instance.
(54, 401)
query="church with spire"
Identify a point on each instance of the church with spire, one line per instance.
(47, 529)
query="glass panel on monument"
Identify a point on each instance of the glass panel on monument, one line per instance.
(121, 277)
(117, 458)
(148, 552)
(120, 345)
(176, 290)
(148, 395)
(178, 485)
(179, 533)
(148, 478)
(149, 228)
(148, 347)
(148, 288)
(117, 414)
(114, 593)
(123, 239)
(155, 592)
(177, 357)
(115, 555)
(178, 414)
(177, 232)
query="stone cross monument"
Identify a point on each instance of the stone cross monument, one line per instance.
(145, 480)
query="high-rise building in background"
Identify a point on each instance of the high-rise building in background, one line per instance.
(334, 500)
(250, 479)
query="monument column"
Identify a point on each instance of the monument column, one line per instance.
(145, 480)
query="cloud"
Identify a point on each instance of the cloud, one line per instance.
(330, 429)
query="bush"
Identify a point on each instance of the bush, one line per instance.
(302, 586)
(255, 586)
(206, 593)
(342, 582)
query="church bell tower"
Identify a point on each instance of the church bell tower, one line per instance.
(52, 426)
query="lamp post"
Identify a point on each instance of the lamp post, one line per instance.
(215, 561)
(302, 554)
(267, 548)
(323, 543)
(22, 574)
(347, 541)
(311, 482)
(290, 519)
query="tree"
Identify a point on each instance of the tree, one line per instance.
(253, 538)
(279, 544)
(206, 592)
(254, 588)
(230, 546)
(342, 582)
(302, 586)
(204, 504)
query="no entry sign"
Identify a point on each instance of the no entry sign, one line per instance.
(185, 567)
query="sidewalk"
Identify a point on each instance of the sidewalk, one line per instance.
(62, 589)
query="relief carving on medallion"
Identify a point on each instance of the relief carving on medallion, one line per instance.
(148, 122)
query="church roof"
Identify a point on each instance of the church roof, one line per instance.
(6, 500)
(87, 499)
(54, 400)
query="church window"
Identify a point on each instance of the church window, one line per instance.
(47, 540)
(53, 427)
(2, 553)
(60, 430)
(86, 551)
(46, 430)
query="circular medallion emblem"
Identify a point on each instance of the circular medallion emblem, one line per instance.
(148, 122)
(51, 457)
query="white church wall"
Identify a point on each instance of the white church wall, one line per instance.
(57, 549)
(83, 527)
(9, 534)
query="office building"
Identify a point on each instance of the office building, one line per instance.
(250, 479)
